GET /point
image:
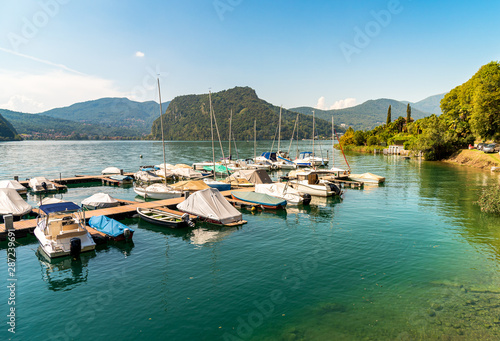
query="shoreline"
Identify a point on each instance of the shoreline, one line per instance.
(464, 157)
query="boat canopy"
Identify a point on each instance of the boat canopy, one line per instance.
(59, 207)
(111, 170)
(12, 203)
(210, 204)
(255, 176)
(269, 155)
(100, 199)
(37, 181)
(188, 173)
(193, 185)
(108, 226)
(218, 168)
(12, 184)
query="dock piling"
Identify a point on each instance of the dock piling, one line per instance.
(8, 220)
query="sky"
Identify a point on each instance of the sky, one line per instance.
(325, 54)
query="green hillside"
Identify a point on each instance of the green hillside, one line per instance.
(188, 118)
(7, 131)
(429, 105)
(366, 115)
(41, 127)
(111, 112)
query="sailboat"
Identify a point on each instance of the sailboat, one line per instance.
(308, 159)
(159, 190)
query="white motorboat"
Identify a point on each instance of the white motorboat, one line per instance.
(157, 191)
(284, 191)
(307, 159)
(100, 200)
(12, 203)
(14, 185)
(61, 231)
(308, 182)
(42, 184)
(111, 171)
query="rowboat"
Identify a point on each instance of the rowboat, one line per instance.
(164, 218)
(264, 200)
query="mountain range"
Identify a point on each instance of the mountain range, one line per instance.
(121, 118)
(372, 113)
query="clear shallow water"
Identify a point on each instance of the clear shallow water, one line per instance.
(413, 259)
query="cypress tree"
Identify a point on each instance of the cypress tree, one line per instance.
(389, 115)
(408, 113)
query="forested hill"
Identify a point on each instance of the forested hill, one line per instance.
(188, 118)
(7, 131)
(366, 115)
(111, 112)
(105, 118)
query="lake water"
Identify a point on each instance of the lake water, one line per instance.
(412, 259)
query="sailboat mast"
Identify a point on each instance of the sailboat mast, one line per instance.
(297, 137)
(333, 144)
(212, 128)
(162, 134)
(313, 135)
(230, 123)
(254, 140)
(279, 131)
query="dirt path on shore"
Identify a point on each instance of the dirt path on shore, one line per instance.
(475, 158)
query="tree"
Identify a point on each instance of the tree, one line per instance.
(485, 117)
(389, 115)
(408, 113)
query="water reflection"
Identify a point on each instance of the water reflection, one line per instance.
(65, 273)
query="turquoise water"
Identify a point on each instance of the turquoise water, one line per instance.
(413, 259)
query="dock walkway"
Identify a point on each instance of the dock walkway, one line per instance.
(127, 209)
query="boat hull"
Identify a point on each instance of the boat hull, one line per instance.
(62, 247)
(314, 190)
(155, 217)
(266, 205)
(157, 195)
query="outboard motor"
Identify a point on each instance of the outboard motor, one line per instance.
(126, 234)
(335, 189)
(306, 199)
(44, 186)
(185, 217)
(75, 247)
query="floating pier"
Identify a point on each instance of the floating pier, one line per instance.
(126, 209)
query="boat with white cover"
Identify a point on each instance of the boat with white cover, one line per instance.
(61, 231)
(42, 184)
(157, 191)
(210, 206)
(284, 191)
(100, 200)
(14, 185)
(11, 202)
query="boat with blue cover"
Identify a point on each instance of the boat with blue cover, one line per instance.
(113, 229)
(264, 200)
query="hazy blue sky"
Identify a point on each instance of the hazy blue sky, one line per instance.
(293, 53)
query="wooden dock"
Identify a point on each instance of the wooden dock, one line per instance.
(126, 209)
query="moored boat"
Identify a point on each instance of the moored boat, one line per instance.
(210, 206)
(221, 186)
(262, 199)
(42, 184)
(284, 191)
(11, 202)
(61, 231)
(111, 171)
(368, 178)
(100, 200)
(113, 229)
(14, 185)
(164, 218)
(157, 191)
